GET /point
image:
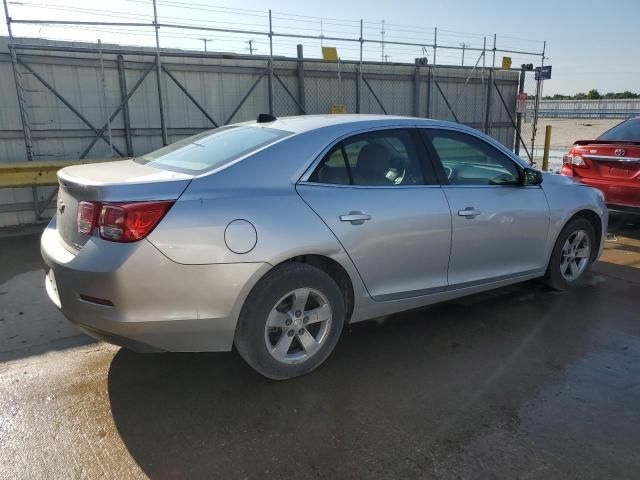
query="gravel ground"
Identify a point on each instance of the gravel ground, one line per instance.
(563, 133)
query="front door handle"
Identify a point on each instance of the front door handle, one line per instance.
(469, 212)
(356, 217)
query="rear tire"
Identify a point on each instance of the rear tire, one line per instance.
(290, 322)
(572, 254)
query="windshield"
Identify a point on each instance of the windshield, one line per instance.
(628, 131)
(211, 149)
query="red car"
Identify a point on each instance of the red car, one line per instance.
(610, 163)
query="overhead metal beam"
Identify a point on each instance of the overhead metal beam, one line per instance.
(22, 104)
(189, 96)
(122, 81)
(163, 125)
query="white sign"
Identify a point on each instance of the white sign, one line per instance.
(521, 107)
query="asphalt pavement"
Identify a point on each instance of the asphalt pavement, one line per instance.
(521, 382)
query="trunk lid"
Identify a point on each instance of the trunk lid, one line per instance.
(110, 182)
(608, 160)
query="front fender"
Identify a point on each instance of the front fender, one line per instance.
(566, 198)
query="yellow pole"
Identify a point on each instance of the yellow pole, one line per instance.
(547, 143)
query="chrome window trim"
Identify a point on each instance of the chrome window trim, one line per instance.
(376, 187)
(612, 157)
(491, 186)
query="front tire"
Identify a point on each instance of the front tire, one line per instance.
(290, 322)
(572, 254)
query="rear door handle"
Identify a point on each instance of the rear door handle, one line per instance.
(469, 212)
(356, 217)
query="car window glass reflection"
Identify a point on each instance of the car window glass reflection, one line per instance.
(470, 161)
(384, 158)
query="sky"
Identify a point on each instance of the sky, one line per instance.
(590, 44)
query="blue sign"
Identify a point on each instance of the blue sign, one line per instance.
(543, 73)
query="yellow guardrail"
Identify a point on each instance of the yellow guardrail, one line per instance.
(37, 174)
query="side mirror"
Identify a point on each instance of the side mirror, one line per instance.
(531, 177)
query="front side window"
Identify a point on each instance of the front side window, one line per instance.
(468, 160)
(211, 149)
(382, 158)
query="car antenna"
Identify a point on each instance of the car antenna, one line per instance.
(266, 118)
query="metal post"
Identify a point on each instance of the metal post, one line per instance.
(22, 105)
(547, 143)
(416, 92)
(163, 126)
(429, 85)
(493, 64)
(536, 104)
(301, 94)
(484, 58)
(125, 110)
(487, 111)
(104, 97)
(516, 150)
(270, 66)
(359, 74)
(435, 44)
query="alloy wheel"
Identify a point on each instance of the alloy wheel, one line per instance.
(298, 325)
(575, 255)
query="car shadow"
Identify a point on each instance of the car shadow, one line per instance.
(395, 394)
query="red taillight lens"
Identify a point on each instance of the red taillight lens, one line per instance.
(573, 159)
(87, 217)
(131, 222)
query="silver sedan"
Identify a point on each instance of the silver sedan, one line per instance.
(270, 235)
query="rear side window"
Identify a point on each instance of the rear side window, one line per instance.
(381, 158)
(211, 149)
(626, 131)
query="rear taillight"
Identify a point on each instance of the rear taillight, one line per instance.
(121, 222)
(88, 213)
(575, 160)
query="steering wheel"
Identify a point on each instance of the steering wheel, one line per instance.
(397, 170)
(501, 179)
(451, 174)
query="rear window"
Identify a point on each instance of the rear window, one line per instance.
(628, 131)
(211, 149)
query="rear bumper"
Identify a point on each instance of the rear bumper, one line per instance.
(132, 295)
(616, 193)
(623, 209)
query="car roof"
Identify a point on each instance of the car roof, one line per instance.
(305, 123)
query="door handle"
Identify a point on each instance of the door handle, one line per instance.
(356, 217)
(469, 212)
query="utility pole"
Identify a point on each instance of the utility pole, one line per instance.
(205, 40)
(251, 47)
(382, 32)
(463, 45)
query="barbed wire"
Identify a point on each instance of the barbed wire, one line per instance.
(177, 14)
